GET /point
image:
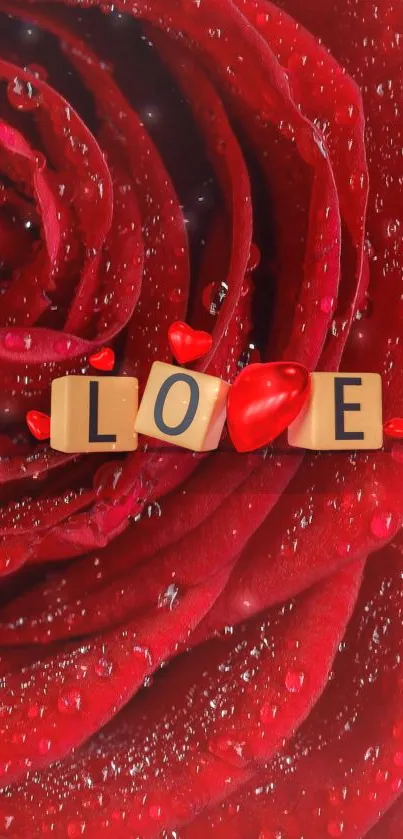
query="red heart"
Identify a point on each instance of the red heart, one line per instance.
(103, 360)
(38, 424)
(263, 401)
(394, 428)
(186, 343)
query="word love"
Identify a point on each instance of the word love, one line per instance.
(322, 411)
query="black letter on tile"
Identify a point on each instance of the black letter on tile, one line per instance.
(191, 409)
(93, 435)
(341, 407)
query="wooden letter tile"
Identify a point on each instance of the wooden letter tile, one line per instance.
(185, 408)
(94, 414)
(344, 412)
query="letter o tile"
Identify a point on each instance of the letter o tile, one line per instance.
(182, 407)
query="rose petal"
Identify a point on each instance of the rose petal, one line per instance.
(224, 743)
(346, 759)
(134, 651)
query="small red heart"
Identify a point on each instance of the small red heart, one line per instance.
(186, 343)
(38, 424)
(394, 428)
(263, 401)
(103, 360)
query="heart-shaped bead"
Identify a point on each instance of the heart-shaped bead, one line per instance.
(38, 424)
(104, 359)
(188, 344)
(263, 400)
(394, 428)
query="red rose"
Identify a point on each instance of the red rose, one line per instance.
(217, 171)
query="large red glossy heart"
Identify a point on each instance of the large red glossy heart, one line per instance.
(186, 343)
(263, 401)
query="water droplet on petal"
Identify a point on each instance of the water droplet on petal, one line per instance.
(343, 548)
(392, 228)
(23, 95)
(213, 297)
(335, 829)
(104, 668)
(254, 257)
(69, 702)
(345, 115)
(228, 750)
(381, 776)
(41, 164)
(75, 829)
(398, 759)
(44, 746)
(14, 341)
(4, 767)
(169, 598)
(38, 71)
(294, 680)
(267, 713)
(357, 181)
(62, 346)
(326, 305)
(153, 510)
(155, 812)
(221, 145)
(177, 295)
(251, 355)
(6, 821)
(381, 524)
(107, 478)
(262, 18)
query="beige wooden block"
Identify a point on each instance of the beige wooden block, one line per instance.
(185, 408)
(94, 414)
(344, 411)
